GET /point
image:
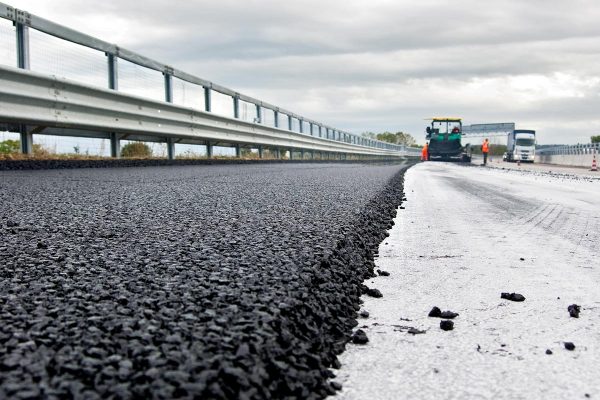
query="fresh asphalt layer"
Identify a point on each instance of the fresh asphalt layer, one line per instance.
(464, 236)
(238, 281)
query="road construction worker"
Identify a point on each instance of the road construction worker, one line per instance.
(485, 149)
(425, 152)
(456, 129)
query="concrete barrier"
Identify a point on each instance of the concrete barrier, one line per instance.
(575, 160)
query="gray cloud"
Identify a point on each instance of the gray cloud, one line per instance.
(378, 65)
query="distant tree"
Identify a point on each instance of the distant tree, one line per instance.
(396, 138)
(136, 149)
(10, 146)
(387, 137)
(406, 139)
(596, 139)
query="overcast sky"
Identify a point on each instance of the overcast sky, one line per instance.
(377, 65)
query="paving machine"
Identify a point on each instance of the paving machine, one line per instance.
(444, 136)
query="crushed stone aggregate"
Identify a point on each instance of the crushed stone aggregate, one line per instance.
(181, 282)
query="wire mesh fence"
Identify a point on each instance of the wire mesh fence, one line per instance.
(268, 117)
(8, 49)
(65, 59)
(221, 104)
(140, 81)
(188, 94)
(248, 112)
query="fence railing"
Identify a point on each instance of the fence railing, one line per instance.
(576, 149)
(282, 127)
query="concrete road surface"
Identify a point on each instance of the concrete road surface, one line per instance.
(467, 234)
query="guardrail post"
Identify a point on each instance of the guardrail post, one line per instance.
(302, 154)
(258, 114)
(169, 99)
(290, 123)
(170, 148)
(320, 131)
(260, 151)
(311, 128)
(115, 145)
(291, 154)
(22, 46)
(236, 106)
(113, 71)
(209, 150)
(277, 153)
(113, 83)
(238, 151)
(22, 32)
(207, 99)
(300, 124)
(276, 119)
(312, 155)
(26, 140)
(168, 87)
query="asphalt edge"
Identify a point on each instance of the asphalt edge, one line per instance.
(342, 273)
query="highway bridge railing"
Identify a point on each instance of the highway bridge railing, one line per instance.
(579, 155)
(575, 149)
(33, 101)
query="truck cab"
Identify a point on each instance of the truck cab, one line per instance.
(521, 146)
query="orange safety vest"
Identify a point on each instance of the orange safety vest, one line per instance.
(424, 153)
(485, 147)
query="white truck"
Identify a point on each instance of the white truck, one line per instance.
(520, 146)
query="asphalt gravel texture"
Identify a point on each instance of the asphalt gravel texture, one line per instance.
(186, 282)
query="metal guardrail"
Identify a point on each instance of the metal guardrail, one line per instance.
(575, 149)
(52, 105)
(41, 100)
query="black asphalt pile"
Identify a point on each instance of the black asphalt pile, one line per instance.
(207, 282)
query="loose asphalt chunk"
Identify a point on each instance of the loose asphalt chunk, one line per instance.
(435, 312)
(374, 293)
(213, 282)
(548, 351)
(363, 314)
(382, 273)
(574, 310)
(446, 325)
(448, 315)
(513, 296)
(569, 346)
(360, 337)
